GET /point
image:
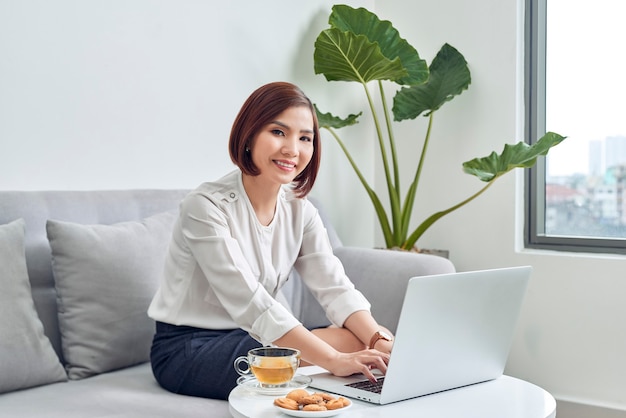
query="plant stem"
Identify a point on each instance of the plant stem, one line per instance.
(379, 133)
(396, 209)
(380, 211)
(392, 142)
(419, 231)
(410, 196)
(394, 198)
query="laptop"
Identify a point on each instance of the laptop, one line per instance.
(454, 330)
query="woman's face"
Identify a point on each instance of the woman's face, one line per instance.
(284, 147)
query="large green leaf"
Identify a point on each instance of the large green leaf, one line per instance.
(363, 22)
(327, 120)
(345, 56)
(519, 155)
(449, 76)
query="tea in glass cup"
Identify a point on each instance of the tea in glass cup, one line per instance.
(273, 367)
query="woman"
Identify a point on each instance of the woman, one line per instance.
(233, 247)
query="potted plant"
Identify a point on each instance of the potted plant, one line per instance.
(361, 48)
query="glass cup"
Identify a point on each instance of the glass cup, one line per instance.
(273, 367)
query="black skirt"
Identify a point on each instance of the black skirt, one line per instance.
(196, 361)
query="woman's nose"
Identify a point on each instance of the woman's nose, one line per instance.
(290, 147)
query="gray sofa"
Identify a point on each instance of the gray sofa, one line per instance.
(77, 271)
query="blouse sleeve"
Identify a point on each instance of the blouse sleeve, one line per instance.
(231, 281)
(324, 274)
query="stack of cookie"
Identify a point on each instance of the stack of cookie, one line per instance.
(301, 399)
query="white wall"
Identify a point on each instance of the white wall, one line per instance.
(114, 94)
(142, 93)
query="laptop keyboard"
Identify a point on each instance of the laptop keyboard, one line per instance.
(368, 386)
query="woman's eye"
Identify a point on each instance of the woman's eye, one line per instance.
(278, 132)
(306, 139)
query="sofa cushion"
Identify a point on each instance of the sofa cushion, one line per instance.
(106, 276)
(26, 355)
(128, 393)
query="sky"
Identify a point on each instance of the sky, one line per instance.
(585, 78)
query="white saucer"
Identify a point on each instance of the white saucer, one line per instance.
(253, 385)
(318, 414)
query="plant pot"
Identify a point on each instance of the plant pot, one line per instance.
(439, 253)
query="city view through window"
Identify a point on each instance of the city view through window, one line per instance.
(590, 203)
(585, 183)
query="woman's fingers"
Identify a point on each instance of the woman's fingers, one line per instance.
(381, 363)
(373, 359)
(367, 372)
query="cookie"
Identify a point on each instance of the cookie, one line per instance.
(287, 403)
(334, 404)
(314, 407)
(325, 396)
(345, 401)
(311, 399)
(297, 394)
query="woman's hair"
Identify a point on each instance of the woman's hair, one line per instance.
(260, 109)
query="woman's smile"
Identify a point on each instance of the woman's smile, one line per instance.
(285, 165)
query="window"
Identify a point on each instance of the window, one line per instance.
(575, 86)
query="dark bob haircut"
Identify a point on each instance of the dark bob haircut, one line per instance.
(260, 109)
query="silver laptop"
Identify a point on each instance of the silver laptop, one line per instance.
(454, 330)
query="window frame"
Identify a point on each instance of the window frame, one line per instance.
(535, 127)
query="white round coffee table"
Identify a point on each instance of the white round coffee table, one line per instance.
(500, 398)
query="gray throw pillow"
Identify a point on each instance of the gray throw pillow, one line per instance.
(106, 276)
(27, 358)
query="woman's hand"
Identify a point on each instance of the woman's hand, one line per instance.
(330, 349)
(363, 361)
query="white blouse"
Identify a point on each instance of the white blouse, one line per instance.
(224, 269)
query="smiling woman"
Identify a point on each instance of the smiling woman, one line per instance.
(234, 246)
(262, 108)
